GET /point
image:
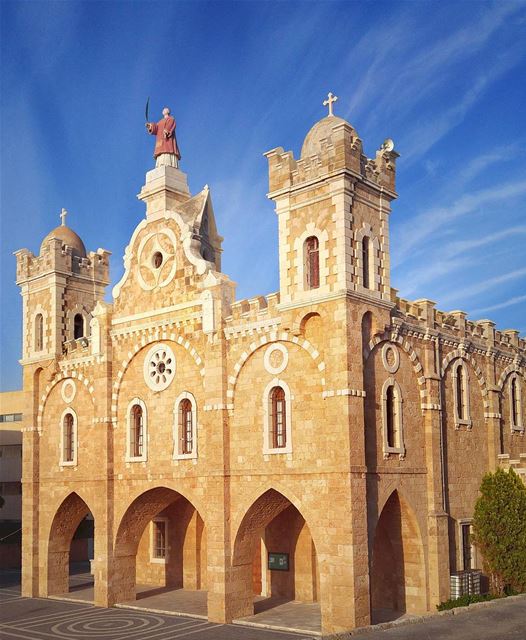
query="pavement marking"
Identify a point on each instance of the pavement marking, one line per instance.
(36, 620)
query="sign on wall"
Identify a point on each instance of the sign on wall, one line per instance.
(278, 561)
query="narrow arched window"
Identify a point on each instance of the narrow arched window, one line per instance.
(461, 395)
(366, 262)
(68, 439)
(39, 332)
(391, 418)
(186, 430)
(461, 405)
(136, 431)
(78, 326)
(277, 410)
(515, 403)
(312, 262)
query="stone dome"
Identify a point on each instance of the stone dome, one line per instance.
(68, 237)
(322, 129)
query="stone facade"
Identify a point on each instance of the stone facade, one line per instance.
(391, 411)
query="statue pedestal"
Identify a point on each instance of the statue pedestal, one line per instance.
(165, 187)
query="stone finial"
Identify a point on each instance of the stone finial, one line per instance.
(63, 215)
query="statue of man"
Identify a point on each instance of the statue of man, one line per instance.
(166, 151)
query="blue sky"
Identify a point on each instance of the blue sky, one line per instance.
(445, 80)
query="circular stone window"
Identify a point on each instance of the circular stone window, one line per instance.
(390, 357)
(68, 391)
(276, 358)
(157, 260)
(159, 367)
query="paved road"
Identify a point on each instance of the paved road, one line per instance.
(42, 619)
(505, 620)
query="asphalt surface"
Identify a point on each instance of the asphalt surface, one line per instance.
(42, 619)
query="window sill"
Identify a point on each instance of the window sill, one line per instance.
(185, 456)
(463, 423)
(272, 452)
(159, 560)
(517, 429)
(142, 459)
(399, 451)
(73, 463)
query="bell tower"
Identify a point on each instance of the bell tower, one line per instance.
(60, 288)
(333, 206)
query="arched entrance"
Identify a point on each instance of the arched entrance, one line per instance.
(160, 549)
(397, 567)
(70, 549)
(274, 561)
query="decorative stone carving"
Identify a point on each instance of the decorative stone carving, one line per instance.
(156, 257)
(390, 357)
(68, 391)
(159, 367)
(276, 359)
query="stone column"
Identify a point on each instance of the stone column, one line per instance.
(437, 518)
(492, 413)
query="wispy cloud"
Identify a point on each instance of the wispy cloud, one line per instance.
(485, 285)
(424, 225)
(463, 246)
(500, 305)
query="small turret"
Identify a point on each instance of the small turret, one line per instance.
(60, 287)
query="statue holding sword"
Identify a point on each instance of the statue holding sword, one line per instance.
(166, 152)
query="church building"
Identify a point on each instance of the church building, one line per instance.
(321, 444)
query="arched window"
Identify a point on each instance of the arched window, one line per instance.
(392, 418)
(312, 262)
(515, 403)
(137, 431)
(366, 262)
(186, 430)
(461, 394)
(185, 427)
(392, 426)
(39, 332)
(78, 326)
(68, 438)
(278, 418)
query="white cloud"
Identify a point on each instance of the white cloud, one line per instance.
(500, 305)
(484, 285)
(420, 227)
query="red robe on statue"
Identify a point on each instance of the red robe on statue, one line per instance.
(166, 141)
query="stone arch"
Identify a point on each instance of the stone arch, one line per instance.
(302, 316)
(299, 261)
(407, 347)
(274, 337)
(76, 375)
(77, 309)
(157, 336)
(512, 368)
(262, 510)
(461, 354)
(398, 576)
(70, 513)
(366, 231)
(133, 522)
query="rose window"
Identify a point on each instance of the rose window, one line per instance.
(159, 367)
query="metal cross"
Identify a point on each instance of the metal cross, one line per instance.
(329, 102)
(63, 215)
